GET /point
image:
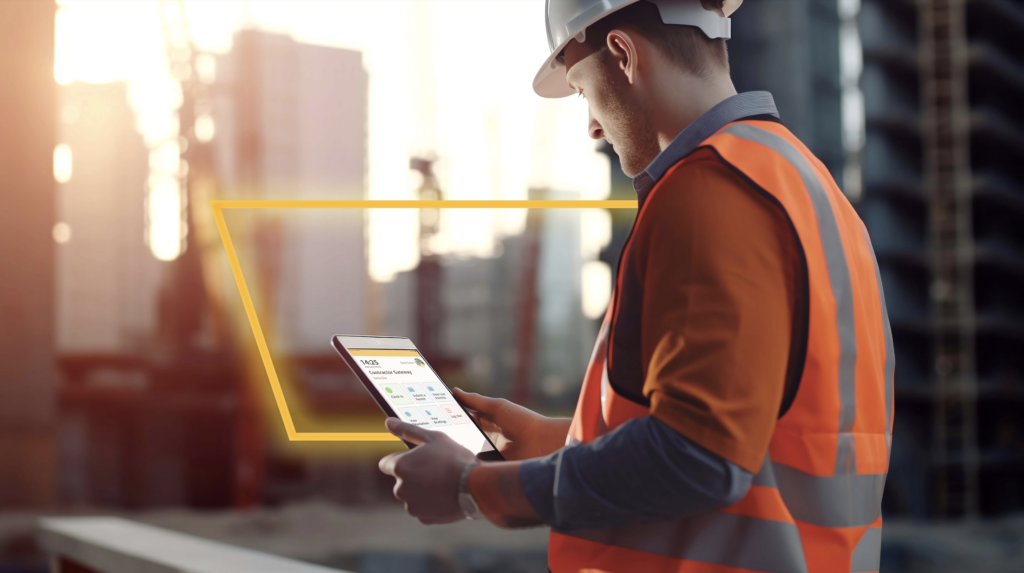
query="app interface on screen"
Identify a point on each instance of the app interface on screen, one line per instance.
(417, 395)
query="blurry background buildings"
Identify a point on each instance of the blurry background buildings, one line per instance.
(291, 123)
(129, 380)
(107, 278)
(943, 200)
(28, 370)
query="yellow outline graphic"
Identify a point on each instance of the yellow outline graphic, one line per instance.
(250, 311)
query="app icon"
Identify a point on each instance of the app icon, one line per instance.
(388, 390)
(420, 363)
(430, 388)
(428, 412)
(410, 388)
(408, 414)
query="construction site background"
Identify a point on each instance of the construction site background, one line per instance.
(130, 380)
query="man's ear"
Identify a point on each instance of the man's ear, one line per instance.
(624, 52)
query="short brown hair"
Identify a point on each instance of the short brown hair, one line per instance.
(686, 46)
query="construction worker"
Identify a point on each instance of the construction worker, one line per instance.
(737, 409)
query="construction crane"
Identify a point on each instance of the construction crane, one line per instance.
(529, 302)
(190, 298)
(188, 407)
(429, 273)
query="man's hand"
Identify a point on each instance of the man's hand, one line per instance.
(427, 476)
(518, 433)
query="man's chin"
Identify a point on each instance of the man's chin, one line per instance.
(630, 168)
(633, 164)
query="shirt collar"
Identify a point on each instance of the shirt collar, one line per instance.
(731, 109)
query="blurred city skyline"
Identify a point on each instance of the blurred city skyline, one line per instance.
(463, 71)
(131, 381)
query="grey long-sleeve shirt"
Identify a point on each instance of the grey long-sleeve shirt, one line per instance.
(642, 471)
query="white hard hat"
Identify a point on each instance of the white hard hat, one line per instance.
(569, 19)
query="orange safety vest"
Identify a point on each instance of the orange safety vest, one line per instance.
(815, 504)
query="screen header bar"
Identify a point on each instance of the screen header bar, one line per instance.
(379, 352)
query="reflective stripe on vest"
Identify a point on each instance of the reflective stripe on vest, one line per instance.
(815, 504)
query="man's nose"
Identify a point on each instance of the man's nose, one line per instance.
(596, 132)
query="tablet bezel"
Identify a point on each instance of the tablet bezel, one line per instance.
(341, 343)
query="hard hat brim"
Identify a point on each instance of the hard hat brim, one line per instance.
(550, 81)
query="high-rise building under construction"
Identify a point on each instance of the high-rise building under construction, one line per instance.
(943, 81)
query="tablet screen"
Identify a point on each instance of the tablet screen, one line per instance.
(418, 396)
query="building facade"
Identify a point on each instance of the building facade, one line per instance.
(291, 123)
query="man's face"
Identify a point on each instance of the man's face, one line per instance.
(617, 110)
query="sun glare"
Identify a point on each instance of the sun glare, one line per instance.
(205, 129)
(596, 285)
(164, 209)
(62, 163)
(473, 109)
(61, 233)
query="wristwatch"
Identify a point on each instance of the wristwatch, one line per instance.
(466, 501)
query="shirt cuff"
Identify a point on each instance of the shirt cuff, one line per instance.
(537, 477)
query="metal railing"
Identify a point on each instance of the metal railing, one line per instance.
(113, 545)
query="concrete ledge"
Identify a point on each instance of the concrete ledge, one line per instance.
(113, 545)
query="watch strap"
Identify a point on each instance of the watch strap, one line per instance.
(466, 502)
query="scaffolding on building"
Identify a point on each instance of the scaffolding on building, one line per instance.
(943, 203)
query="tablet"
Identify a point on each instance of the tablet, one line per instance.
(407, 388)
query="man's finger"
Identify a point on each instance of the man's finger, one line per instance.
(387, 463)
(408, 432)
(486, 423)
(477, 402)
